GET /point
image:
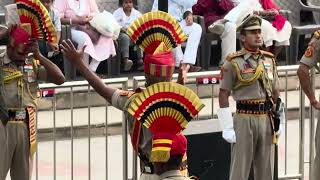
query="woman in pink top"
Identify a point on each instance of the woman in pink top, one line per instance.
(80, 12)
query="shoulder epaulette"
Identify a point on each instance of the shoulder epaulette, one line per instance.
(126, 93)
(316, 34)
(235, 54)
(266, 53)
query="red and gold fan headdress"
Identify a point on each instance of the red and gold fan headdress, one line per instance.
(156, 32)
(165, 108)
(34, 13)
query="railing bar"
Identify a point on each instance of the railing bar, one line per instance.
(89, 133)
(135, 156)
(106, 138)
(286, 125)
(37, 149)
(212, 101)
(125, 142)
(71, 129)
(312, 122)
(54, 138)
(301, 131)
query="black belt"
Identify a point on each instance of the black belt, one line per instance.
(253, 107)
(17, 115)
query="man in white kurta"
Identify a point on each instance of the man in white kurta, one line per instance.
(242, 9)
(193, 31)
(176, 8)
(186, 60)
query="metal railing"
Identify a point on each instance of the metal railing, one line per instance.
(84, 85)
(284, 71)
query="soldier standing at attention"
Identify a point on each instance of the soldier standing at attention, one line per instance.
(20, 74)
(251, 76)
(308, 61)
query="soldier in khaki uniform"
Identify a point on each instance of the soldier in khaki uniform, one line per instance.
(308, 61)
(158, 67)
(251, 76)
(20, 75)
(170, 170)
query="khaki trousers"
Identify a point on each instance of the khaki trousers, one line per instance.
(3, 151)
(149, 177)
(252, 148)
(316, 162)
(17, 159)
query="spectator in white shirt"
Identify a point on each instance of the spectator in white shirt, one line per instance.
(187, 59)
(176, 8)
(125, 15)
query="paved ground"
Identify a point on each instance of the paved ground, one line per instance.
(98, 155)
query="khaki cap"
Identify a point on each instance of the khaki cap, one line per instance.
(251, 22)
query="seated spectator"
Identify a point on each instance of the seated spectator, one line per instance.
(276, 30)
(125, 15)
(50, 50)
(176, 8)
(54, 16)
(78, 14)
(213, 10)
(193, 31)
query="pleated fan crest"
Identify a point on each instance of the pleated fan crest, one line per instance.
(35, 13)
(165, 103)
(155, 29)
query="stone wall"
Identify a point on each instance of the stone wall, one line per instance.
(108, 5)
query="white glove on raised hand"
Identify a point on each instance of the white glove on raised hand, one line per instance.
(282, 119)
(226, 122)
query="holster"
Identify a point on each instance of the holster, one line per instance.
(274, 115)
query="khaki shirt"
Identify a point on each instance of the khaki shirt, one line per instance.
(312, 54)
(246, 68)
(173, 175)
(23, 91)
(121, 100)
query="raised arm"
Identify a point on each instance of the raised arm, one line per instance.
(53, 73)
(76, 58)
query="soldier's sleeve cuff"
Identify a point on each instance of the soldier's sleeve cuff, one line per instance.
(115, 98)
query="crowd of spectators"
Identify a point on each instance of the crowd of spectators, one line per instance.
(221, 17)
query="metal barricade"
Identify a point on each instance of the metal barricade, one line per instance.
(84, 86)
(284, 71)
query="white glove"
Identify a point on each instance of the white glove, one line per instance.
(229, 135)
(226, 122)
(282, 119)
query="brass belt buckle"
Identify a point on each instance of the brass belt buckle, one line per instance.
(261, 107)
(20, 115)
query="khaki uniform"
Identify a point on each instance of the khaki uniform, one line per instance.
(121, 100)
(19, 93)
(311, 58)
(173, 175)
(240, 74)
